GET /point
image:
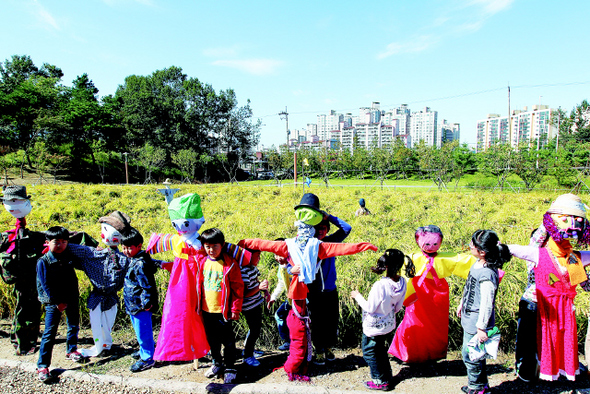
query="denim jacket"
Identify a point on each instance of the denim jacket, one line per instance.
(139, 290)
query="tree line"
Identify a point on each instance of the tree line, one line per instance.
(166, 122)
(567, 163)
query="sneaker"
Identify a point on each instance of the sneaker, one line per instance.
(330, 355)
(43, 374)
(320, 359)
(467, 390)
(142, 365)
(29, 352)
(213, 371)
(229, 376)
(372, 386)
(258, 353)
(75, 356)
(284, 347)
(251, 361)
(135, 355)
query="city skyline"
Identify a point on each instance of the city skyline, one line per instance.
(456, 56)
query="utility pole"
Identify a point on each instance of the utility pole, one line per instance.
(286, 117)
(126, 169)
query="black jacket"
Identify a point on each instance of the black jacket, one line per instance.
(57, 282)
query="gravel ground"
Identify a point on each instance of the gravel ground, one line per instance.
(346, 373)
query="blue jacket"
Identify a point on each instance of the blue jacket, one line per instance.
(139, 289)
(325, 279)
(57, 282)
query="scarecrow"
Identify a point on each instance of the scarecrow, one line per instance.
(423, 334)
(304, 252)
(20, 249)
(557, 270)
(106, 269)
(182, 335)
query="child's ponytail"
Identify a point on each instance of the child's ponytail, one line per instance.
(496, 253)
(392, 261)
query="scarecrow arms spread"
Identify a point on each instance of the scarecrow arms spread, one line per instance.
(326, 249)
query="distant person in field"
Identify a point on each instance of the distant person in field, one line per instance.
(477, 307)
(57, 286)
(140, 295)
(283, 281)
(558, 270)
(362, 209)
(385, 300)
(324, 305)
(305, 252)
(20, 248)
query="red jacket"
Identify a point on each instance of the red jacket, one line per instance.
(232, 286)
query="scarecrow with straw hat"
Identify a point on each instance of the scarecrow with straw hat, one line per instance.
(546, 339)
(304, 252)
(106, 269)
(20, 248)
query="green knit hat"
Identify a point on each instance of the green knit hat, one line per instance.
(185, 207)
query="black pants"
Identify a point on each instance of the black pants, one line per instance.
(325, 314)
(220, 332)
(526, 340)
(254, 319)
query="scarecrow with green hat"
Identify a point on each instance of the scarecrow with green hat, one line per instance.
(304, 252)
(182, 336)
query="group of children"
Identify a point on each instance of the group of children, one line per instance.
(212, 282)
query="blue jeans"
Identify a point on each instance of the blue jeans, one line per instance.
(375, 354)
(526, 340)
(254, 320)
(281, 319)
(477, 374)
(52, 318)
(142, 324)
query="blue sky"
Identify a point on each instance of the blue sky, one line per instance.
(455, 56)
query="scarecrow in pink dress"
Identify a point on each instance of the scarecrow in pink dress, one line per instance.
(423, 334)
(182, 335)
(558, 269)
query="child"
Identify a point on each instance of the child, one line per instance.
(284, 278)
(220, 291)
(57, 286)
(140, 294)
(252, 308)
(385, 300)
(476, 308)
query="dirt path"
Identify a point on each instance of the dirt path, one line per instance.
(347, 372)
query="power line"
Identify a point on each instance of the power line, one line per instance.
(445, 97)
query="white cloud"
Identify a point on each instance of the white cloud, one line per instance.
(414, 45)
(492, 7)
(222, 51)
(252, 66)
(43, 16)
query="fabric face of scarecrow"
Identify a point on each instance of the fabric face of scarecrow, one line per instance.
(19, 208)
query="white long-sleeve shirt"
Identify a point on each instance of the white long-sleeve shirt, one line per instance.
(385, 299)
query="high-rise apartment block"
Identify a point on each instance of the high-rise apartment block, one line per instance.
(523, 127)
(375, 127)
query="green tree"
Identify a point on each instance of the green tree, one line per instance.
(498, 161)
(150, 158)
(186, 160)
(403, 159)
(380, 161)
(465, 161)
(531, 165)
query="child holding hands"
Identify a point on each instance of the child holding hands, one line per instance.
(385, 300)
(57, 286)
(477, 305)
(140, 294)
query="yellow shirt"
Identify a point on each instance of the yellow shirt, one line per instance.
(213, 275)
